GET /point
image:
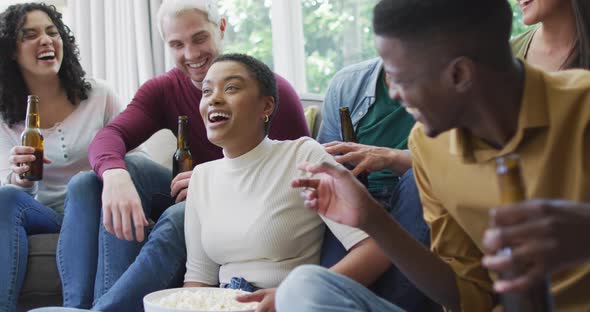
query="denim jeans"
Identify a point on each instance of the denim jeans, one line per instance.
(90, 260)
(405, 207)
(159, 265)
(311, 288)
(20, 215)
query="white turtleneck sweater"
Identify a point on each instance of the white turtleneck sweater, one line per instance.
(243, 219)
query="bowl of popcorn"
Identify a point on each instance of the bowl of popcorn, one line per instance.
(197, 299)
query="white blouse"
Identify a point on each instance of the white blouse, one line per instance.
(66, 144)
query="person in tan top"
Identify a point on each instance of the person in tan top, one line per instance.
(562, 38)
(473, 102)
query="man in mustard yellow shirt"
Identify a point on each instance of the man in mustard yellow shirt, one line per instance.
(452, 68)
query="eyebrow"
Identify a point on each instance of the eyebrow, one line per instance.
(35, 29)
(228, 78)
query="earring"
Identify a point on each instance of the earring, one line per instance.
(266, 118)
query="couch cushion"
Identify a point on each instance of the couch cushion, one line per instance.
(42, 277)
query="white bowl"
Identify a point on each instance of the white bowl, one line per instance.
(151, 301)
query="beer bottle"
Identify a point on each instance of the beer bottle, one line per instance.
(538, 298)
(348, 136)
(182, 160)
(32, 137)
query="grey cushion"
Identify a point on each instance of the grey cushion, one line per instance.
(42, 285)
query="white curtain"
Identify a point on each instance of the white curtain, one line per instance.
(119, 41)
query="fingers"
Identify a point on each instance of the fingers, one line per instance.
(342, 147)
(264, 296)
(139, 222)
(324, 167)
(178, 185)
(46, 160)
(18, 170)
(126, 227)
(305, 182)
(518, 213)
(352, 158)
(21, 158)
(107, 219)
(181, 196)
(19, 150)
(521, 283)
(499, 237)
(117, 227)
(182, 176)
(256, 296)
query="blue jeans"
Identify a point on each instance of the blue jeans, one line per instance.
(90, 260)
(405, 207)
(20, 215)
(159, 265)
(312, 288)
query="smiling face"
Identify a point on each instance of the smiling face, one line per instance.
(535, 11)
(420, 85)
(233, 108)
(193, 41)
(39, 46)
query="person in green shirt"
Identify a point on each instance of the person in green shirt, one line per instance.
(382, 127)
(562, 38)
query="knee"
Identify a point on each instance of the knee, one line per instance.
(171, 221)
(11, 197)
(305, 282)
(174, 214)
(140, 167)
(84, 182)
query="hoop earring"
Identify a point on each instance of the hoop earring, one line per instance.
(266, 118)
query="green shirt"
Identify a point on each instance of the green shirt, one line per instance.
(386, 124)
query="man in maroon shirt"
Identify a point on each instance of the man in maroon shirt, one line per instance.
(193, 32)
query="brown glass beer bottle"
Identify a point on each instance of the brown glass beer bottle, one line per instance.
(32, 137)
(348, 135)
(182, 160)
(538, 298)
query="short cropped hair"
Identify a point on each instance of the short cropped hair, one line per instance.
(173, 8)
(267, 83)
(476, 29)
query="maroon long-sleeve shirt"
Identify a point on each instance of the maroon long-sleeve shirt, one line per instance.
(157, 105)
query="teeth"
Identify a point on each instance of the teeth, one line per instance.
(218, 114)
(411, 110)
(46, 54)
(197, 65)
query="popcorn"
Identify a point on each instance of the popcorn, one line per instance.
(207, 300)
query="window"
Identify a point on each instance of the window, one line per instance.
(337, 33)
(248, 28)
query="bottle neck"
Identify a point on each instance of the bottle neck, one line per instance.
(33, 120)
(182, 142)
(347, 127)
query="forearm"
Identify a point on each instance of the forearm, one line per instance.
(424, 269)
(107, 151)
(364, 263)
(400, 161)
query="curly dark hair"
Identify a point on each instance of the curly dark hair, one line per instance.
(267, 82)
(13, 89)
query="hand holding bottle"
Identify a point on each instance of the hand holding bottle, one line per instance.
(546, 235)
(19, 157)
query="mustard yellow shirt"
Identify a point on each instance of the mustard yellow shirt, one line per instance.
(455, 173)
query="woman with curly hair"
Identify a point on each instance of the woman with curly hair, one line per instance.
(38, 55)
(562, 39)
